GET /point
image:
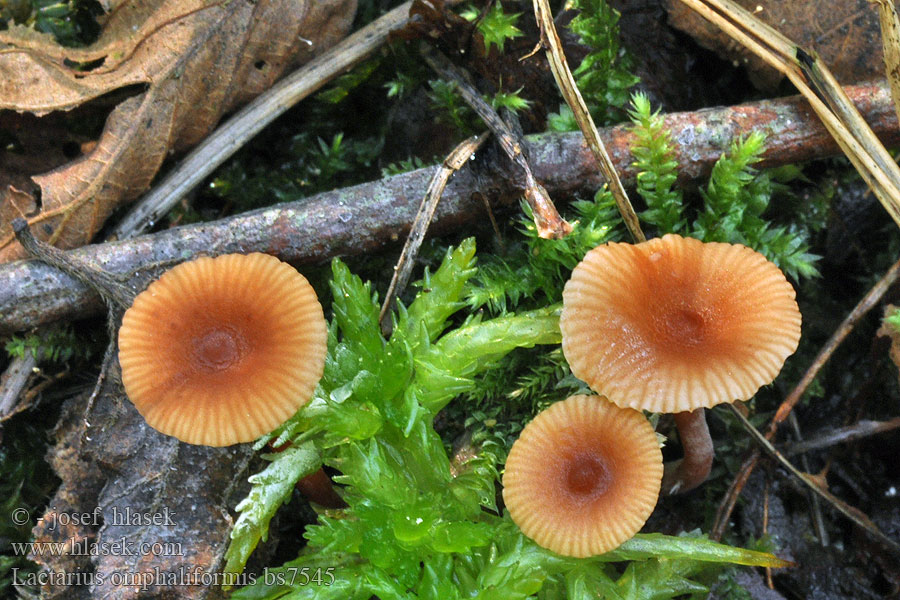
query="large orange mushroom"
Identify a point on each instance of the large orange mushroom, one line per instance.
(675, 325)
(222, 350)
(583, 476)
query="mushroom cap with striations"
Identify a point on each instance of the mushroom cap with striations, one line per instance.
(583, 476)
(674, 324)
(221, 350)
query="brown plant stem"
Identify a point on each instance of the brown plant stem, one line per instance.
(546, 218)
(686, 474)
(366, 217)
(114, 293)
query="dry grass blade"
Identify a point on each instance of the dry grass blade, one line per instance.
(565, 81)
(890, 40)
(852, 513)
(821, 90)
(454, 161)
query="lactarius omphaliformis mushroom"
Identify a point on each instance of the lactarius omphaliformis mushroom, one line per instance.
(676, 325)
(583, 476)
(221, 350)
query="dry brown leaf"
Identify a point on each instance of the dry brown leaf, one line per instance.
(844, 33)
(197, 60)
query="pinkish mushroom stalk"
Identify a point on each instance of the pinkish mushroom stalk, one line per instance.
(687, 473)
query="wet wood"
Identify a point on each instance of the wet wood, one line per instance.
(366, 217)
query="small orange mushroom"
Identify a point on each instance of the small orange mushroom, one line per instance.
(221, 350)
(674, 325)
(583, 476)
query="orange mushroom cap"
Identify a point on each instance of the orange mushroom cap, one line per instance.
(583, 476)
(674, 324)
(222, 350)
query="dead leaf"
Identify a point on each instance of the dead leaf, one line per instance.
(194, 60)
(845, 34)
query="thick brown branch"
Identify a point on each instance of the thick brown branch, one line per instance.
(366, 217)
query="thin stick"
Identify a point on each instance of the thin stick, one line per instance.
(842, 435)
(726, 506)
(454, 161)
(816, 507)
(566, 83)
(852, 513)
(546, 218)
(250, 120)
(869, 301)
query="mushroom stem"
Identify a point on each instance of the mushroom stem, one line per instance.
(692, 470)
(318, 488)
(105, 284)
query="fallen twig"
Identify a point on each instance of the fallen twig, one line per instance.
(814, 504)
(246, 123)
(14, 380)
(402, 271)
(842, 435)
(368, 216)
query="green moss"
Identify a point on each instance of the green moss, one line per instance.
(734, 201)
(72, 22)
(26, 483)
(604, 77)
